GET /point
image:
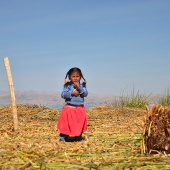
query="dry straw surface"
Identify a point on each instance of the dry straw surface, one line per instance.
(112, 141)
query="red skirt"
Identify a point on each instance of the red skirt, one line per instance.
(72, 121)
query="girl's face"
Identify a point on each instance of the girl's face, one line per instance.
(75, 77)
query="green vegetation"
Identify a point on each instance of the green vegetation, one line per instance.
(165, 101)
(135, 100)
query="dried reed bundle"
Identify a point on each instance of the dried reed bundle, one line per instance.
(156, 130)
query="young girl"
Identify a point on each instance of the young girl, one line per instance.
(73, 118)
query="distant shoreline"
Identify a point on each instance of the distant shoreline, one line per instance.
(54, 100)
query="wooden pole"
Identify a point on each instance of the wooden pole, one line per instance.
(11, 88)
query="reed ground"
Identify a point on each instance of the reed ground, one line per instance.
(112, 141)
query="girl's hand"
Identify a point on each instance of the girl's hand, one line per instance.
(75, 93)
(76, 85)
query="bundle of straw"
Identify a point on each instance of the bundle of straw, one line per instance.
(156, 130)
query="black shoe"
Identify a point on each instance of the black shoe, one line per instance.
(79, 139)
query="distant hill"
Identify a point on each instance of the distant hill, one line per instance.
(50, 98)
(54, 98)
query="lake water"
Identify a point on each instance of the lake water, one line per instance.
(59, 107)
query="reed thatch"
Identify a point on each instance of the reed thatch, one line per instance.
(112, 141)
(156, 130)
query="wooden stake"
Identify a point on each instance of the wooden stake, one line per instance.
(11, 88)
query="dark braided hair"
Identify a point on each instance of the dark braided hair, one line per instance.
(74, 69)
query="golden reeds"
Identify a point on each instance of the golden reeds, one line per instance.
(112, 141)
(156, 130)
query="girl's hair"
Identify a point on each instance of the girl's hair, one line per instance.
(74, 69)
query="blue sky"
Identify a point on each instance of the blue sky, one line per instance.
(118, 45)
